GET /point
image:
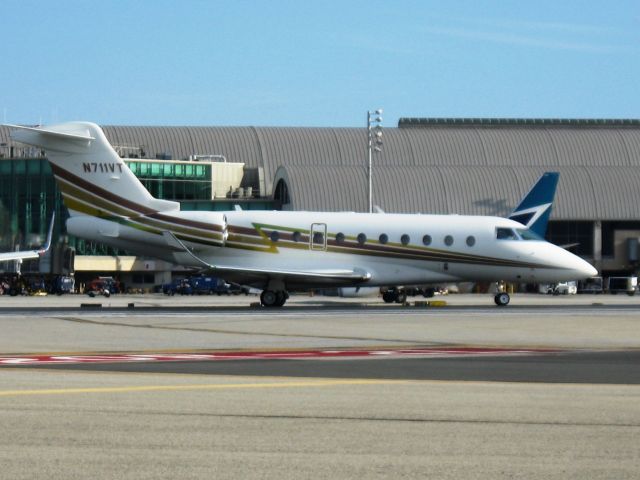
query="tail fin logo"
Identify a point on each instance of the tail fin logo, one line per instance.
(534, 209)
(530, 216)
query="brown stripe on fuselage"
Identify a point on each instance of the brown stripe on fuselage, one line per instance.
(122, 202)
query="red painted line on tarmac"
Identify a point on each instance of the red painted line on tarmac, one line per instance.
(243, 355)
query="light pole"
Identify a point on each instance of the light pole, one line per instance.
(374, 143)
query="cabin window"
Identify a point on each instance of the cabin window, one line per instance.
(296, 236)
(362, 238)
(383, 238)
(527, 234)
(340, 237)
(275, 236)
(471, 240)
(426, 240)
(448, 240)
(506, 234)
(405, 239)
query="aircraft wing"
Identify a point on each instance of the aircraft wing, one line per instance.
(249, 276)
(294, 279)
(28, 254)
(320, 274)
(22, 255)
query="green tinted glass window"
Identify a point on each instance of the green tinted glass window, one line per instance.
(33, 167)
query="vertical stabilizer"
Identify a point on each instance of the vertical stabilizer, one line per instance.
(93, 179)
(535, 208)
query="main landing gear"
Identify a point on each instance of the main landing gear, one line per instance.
(273, 298)
(502, 299)
(396, 295)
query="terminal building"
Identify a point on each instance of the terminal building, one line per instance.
(428, 165)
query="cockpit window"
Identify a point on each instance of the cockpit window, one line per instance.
(527, 234)
(506, 234)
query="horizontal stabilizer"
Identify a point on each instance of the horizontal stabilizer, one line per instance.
(59, 140)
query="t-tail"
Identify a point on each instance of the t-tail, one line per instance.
(535, 208)
(93, 179)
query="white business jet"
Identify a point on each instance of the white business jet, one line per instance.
(280, 252)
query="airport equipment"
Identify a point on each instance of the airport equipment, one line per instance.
(591, 285)
(628, 285)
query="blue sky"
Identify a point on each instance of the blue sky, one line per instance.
(298, 63)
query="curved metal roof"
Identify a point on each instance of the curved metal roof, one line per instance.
(467, 167)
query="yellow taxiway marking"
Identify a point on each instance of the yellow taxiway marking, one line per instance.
(214, 386)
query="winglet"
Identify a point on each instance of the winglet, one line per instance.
(535, 208)
(45, 248)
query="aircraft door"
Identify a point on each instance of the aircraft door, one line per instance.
(318, 237)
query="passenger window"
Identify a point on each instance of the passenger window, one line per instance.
(471, 241)
(340, 237)
(318, 238)
(448, 240)
(296, 236)
(506, 234)
(275, 236)
(405, 239)
(384, 238)
(362, 238)
(426, 240)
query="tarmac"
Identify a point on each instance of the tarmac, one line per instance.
(569, 410)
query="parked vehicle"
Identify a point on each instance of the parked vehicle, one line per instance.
(546, 288)
(63, 284)
(591, 285)
(235, 289)
(627, 285)
(562, 288)
(202, 285)
(208, 285)
(400, 294)
(102, 286)
(565, 288)
(181, 286)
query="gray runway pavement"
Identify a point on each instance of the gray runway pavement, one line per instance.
(572, 414)
(77, 425)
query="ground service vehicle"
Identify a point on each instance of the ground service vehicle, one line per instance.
(627, 285)
(591, 285)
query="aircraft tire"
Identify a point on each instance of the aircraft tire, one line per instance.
(389, 296)
(402, 296)
(502, 299)
(270, 298)
(282, 298)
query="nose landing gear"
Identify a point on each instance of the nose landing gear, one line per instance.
(502, 299)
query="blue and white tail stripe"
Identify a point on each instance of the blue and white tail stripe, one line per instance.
(535, 208)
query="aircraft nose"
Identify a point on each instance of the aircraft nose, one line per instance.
(584, 269)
